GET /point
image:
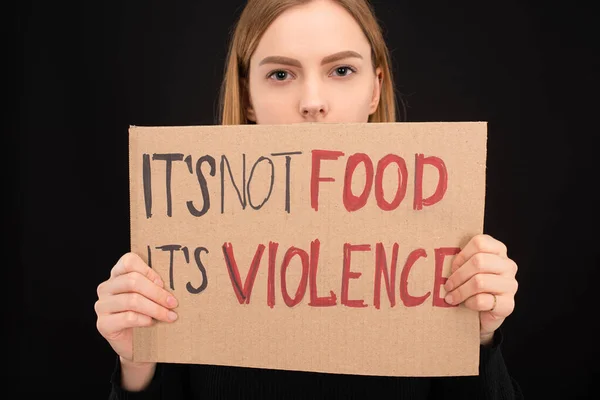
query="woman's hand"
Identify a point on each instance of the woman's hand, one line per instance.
(134, 295)
(484, 279)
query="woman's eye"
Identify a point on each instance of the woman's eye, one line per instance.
(343, 71)
(279, 75)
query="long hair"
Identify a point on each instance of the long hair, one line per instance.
(254, 20)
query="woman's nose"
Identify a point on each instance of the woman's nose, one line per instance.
(313, 110)
(313, 104)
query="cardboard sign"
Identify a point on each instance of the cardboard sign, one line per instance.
(310, 247)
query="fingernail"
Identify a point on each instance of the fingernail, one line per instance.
(171, 301)
(172, 316)
(159, 282)
(449, 286)
(448, 298)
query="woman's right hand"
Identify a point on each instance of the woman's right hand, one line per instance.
(133, 296)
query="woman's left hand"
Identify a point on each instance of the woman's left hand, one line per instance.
(484, 278)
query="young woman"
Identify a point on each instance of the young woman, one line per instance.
(306, 61)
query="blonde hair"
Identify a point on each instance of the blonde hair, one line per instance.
(254, 21)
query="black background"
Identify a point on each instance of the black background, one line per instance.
(84, 72)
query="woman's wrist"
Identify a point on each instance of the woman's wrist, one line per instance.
(136, 376)
(486, 339)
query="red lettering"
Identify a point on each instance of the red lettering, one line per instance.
(407, 299)
(242, 294)
(381, 269)
(352, 202)
(347, 274)
(315, 300)
(271, 277)
(420, 162)
(439, 280)
(291, 252)
(402, 181)
(315, 177)
(384, 272)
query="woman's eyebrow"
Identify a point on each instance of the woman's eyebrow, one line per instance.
(339, 56)
(281, 60)
(295, 63)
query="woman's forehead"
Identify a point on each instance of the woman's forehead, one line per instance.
(313, 31)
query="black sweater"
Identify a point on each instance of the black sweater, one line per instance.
(184, 381)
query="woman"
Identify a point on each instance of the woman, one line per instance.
(306, 61)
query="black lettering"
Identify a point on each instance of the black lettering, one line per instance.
(188, 162)
(271, 183)
(288, 164)
(147, 179)
(203, 186)
(172, 248)
(168, 158)
(204, 284)
(149, 256)
(241, 196)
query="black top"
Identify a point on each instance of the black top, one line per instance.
(185, 381)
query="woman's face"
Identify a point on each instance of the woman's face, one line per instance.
(313, 64)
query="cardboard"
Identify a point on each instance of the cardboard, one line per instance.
(294, 269)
